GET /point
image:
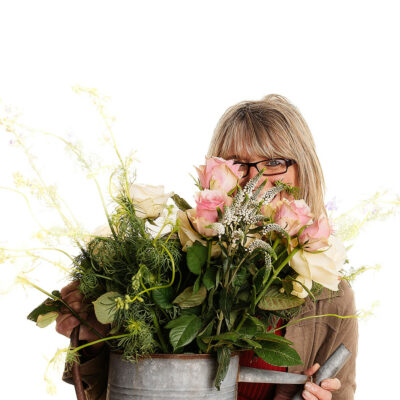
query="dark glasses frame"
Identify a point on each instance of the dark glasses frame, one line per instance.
(287, 161)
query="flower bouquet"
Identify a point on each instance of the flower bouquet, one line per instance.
(213, 279)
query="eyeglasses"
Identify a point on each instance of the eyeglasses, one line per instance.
(273, 166)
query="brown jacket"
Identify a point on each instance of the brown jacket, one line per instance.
(315, 339)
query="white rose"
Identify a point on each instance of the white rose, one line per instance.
(298, 290)
(187, 235)
(323, 267)
(149, 201)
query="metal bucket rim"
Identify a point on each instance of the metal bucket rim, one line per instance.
(185, 356)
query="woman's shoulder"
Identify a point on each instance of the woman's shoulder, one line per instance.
(342, 300)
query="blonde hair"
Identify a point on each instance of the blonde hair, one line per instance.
(272, 127)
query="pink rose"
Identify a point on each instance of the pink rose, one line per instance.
(219, 174)
(207, 203)
(293, 215)
(200, 223)
(269, 209)
(188, 235)
(316, 235)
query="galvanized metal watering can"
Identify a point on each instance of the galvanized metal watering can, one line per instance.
(191, 376)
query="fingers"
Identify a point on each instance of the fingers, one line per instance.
(331, 384)
(65, 323)
(315, 392)
(311, 371)
(69, 288)
(323, 392)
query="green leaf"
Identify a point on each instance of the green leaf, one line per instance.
(205, 332)
(196, 285)
(240, 278)
(181, 203)
(271, 337)
(223, 358)
(249, 328)
(209, 277)
(261, 327)
(47, 306)
(231, 336)
(210, 300)
(259, 278)
(252, 343)
(196, 257)
(163, 297)
(44, 320)
(274, 300)
(279, 354)
(105, 307)
(189, 299)
(183, 330)
(225, 303)
(287, 286)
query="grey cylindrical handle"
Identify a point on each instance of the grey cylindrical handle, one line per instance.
(330, 368)
(255, 375)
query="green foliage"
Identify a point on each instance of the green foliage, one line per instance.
(225, 303)
(279, 354)
(275, 300)
(181, 203)
(183, 330)
(105, 307)
(163, 297)
(44, 320)
(140, 340)
(209, 277)
(48, 306)
(188, 298)
(196, 257)
(224, 358)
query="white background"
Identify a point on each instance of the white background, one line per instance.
(171, 70)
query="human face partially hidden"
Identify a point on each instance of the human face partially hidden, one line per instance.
(290, 176)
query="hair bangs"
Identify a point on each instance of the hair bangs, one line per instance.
(247, 137)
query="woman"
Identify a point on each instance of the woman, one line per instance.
(270, 131)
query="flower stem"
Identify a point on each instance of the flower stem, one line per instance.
(159, 334)
(209, 248)
(98, 341)
(244, 317)
(314, 316)
(276, 242)
(220, 319)
(276, 272)
(159, 287)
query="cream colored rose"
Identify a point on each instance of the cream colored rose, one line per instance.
(149, 201)
(187, 235)
(298, 289)
(323, 267)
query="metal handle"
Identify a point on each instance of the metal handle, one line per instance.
(330, 368)
(76, 374)
(255, 375)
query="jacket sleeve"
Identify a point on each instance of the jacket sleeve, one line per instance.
(348, 335)
(94, 373)
(316, 339)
